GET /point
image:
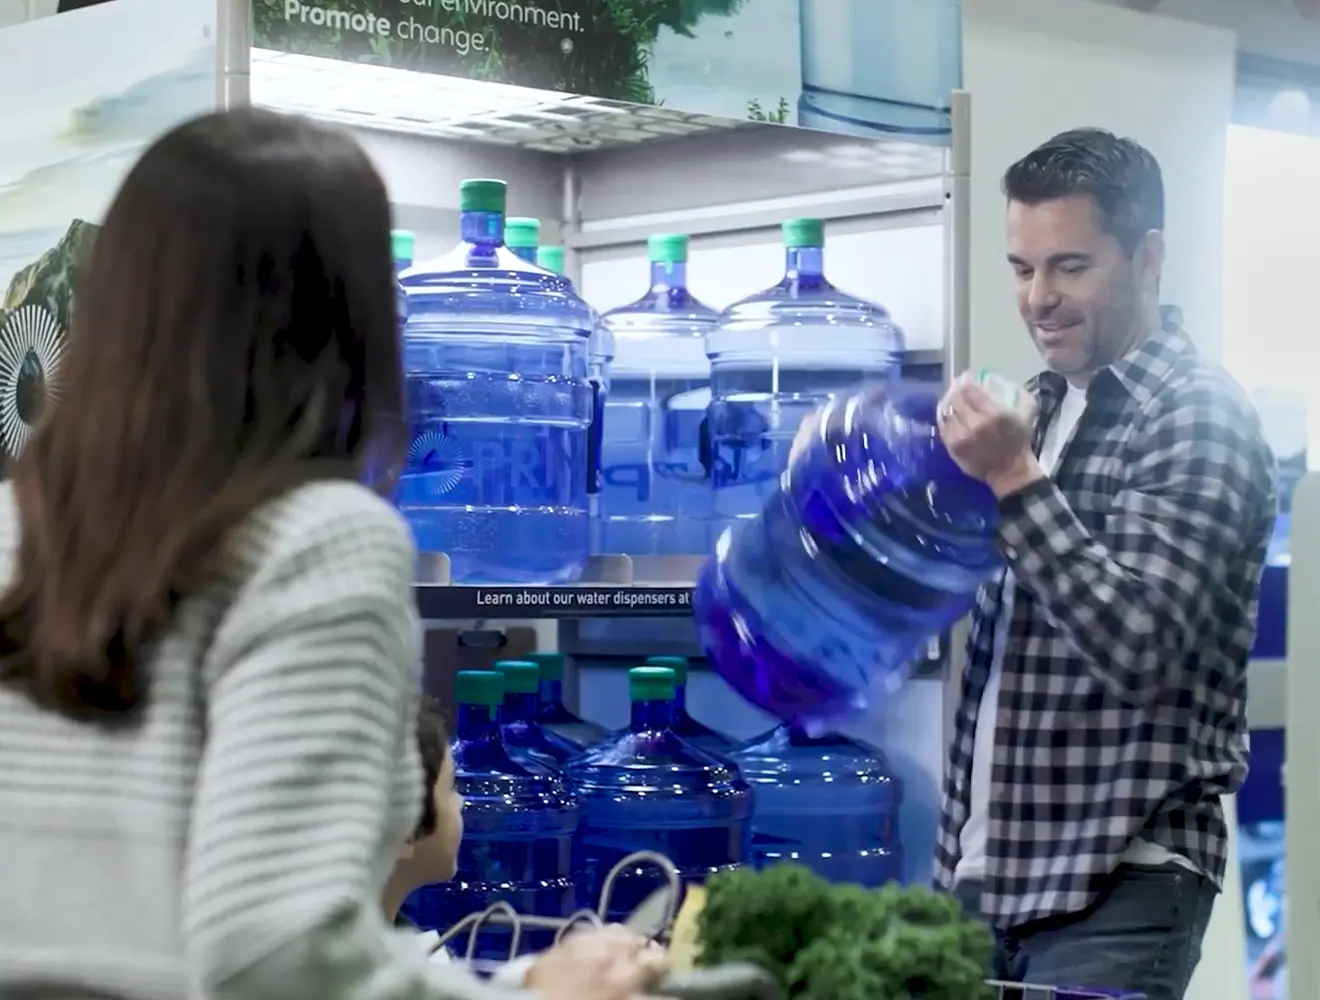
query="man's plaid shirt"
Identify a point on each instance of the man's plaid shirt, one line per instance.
(1124, 678)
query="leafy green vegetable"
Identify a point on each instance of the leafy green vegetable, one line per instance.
(823, 941)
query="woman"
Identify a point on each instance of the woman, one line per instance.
(208, 645)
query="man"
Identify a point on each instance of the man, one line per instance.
(1102, 715)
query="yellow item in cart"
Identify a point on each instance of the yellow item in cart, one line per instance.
(684, 943)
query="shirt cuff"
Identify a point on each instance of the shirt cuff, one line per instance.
(1025, 514)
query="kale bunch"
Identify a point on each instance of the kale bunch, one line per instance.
(824, 941)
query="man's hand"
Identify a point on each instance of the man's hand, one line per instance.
(989, 441)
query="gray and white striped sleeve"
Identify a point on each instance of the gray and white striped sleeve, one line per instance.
(310, 690)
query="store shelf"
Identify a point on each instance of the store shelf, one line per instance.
(445, 107)
(610, 587)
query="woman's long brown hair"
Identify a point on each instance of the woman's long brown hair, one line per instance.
(234, 335)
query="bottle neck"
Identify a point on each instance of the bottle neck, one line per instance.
(484, 229)
(680, 699)
(477, 722)
(402, 264)
(649, 716)
(550, 694)
(525, 253)
(804, 263)
(518, 707)
(668, 276)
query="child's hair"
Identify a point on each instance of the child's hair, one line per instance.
(433, 743)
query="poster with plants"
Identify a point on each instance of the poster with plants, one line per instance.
(69, 138)
(732, 58)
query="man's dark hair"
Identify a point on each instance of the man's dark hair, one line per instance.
(235, 335)
(433, 743)
(1120, 176)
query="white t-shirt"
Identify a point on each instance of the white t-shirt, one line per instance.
(972, 862)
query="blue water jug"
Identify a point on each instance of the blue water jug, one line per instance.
(519, 818)
(694, 732)
(827, 802)
(778, 355)
(518, 725)
(403, 246)
(551, 713)
(599, 360)
(495, 352)
(881, 68)
(649, 789)
(873, 542)
(655, 494)
(523, 237)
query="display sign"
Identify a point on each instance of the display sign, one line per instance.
(461, 603)
(817, 63)
(143, 66)
(1261, 855)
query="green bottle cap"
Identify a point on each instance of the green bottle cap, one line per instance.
(520, 676)
(403, 244)
(997, 387)
(803, 233)
(479, 687)
(678, 664)
(551, 665)
(522, 233)
(667, 248)
(551, 258)
(482, 195)
(651, 684)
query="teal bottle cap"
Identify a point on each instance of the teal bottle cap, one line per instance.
(551, 665)
(403, 244)
(667, 248)
(520, 676)
(551, 258)
(999, 388)
(479, 687)
(482, 195)
(651, 684)
(522, 233)
(804, 233)
(678, 664)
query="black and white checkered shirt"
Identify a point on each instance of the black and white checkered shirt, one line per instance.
(1124, 676)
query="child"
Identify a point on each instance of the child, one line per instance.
(431, 853)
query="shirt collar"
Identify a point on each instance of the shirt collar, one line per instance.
(1141, 371)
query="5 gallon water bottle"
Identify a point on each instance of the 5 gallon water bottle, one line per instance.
(519, 818)
(655, 498)
(403, 246)
(775, 357)
(523, 237)
(649, 789)
(694, 732)
(551, 713)
(827, 802)
(874, 542)
(495, 354)
(599, 361)
(518, 725)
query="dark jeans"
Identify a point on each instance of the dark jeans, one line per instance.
(1143, 935)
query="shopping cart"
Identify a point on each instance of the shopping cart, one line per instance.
(1027, 991)
(729, 982)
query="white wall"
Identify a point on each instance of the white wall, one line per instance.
(1036, 69)
(884, 235)
(423, 176)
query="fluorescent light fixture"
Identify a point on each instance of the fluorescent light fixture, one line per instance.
(397, 100)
